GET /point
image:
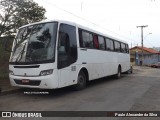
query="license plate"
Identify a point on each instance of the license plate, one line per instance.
(25, 81)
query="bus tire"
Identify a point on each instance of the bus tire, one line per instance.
(81, 81)
(118, 75)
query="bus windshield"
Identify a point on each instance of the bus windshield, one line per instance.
(35, 44)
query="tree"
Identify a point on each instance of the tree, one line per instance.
(15, 13)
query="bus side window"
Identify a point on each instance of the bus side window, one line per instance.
(108, 47)
(80, 38)
(117, 46)
(123, 49)
(63, 46)
(101, 42)
(95, 41)
(87, 39)
(127, 48)
(112, 45)
(67, 46)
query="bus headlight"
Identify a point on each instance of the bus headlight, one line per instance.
(46, 72)
(11, 72)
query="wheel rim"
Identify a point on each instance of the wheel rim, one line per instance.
(119, 72)
(80, 80)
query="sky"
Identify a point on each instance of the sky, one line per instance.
(118, 18)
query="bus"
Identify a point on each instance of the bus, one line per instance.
(58, 53)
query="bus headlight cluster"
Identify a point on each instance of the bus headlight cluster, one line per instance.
(46, 72)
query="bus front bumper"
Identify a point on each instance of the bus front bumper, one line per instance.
(42, 82)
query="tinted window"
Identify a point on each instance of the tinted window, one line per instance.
(127, 49)
(101, 43)
(87, 39)
(109, 44)
(64, 43)
(80, 38)
(35, 44)
(123, 48)
(117, 46)
(95, 40)
(67, 46)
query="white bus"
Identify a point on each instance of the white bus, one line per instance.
(55, 54)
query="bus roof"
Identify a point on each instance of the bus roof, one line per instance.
(87, 27)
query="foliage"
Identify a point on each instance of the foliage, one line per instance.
(15, 13)
(4, 59)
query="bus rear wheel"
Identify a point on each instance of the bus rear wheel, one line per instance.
(81, 81)
(118, 75)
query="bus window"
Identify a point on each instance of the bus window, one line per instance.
(123, 48)
(109, 44)
(63, 47)
(95, 39)
(117, 46)
(80, 38)
(67, 46)
(127, 49)
(87, 39)
(101, 43)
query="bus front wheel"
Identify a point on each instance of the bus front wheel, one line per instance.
(81, 81)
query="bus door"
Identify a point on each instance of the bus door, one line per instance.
(67, 54)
